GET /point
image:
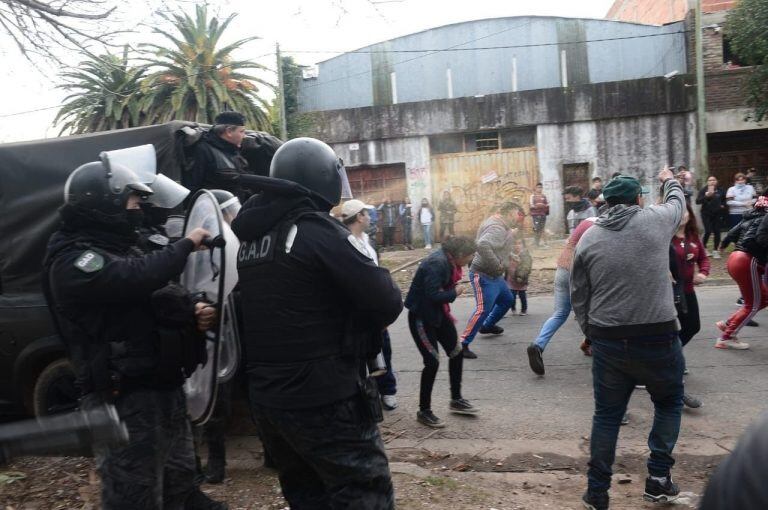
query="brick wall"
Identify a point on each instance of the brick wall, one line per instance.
(651, 12)
(724, 89)
(724, 86)
(659, 12)
(716, 5)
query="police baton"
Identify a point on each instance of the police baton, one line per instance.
(79, 433)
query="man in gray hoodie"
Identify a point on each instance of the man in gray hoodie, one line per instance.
(495, 239)
(622, 297)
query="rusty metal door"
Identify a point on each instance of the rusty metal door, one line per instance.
(481, 181)
(372, 184)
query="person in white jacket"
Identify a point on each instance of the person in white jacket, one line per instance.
(739, 199)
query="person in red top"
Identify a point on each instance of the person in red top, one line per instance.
(539, 208)
(690, 267)
(690, 255)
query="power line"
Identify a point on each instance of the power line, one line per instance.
(483, 48)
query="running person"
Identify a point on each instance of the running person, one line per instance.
(429, 318)
(495, 239)
(746, 265)
(562, 299)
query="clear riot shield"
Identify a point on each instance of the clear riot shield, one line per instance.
(212, 274)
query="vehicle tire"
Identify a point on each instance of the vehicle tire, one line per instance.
(55, 391)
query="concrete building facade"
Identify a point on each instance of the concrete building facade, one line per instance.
(548, 100)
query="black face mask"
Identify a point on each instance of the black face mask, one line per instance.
(134, 217)
(155, 216)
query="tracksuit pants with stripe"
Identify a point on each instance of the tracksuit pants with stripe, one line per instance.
(749, 274)
(493, 299)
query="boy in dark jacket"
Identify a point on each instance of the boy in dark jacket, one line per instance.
(433, 288)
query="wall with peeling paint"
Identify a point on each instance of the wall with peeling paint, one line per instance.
(638, 146)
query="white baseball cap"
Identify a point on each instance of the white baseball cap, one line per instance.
(352, 207)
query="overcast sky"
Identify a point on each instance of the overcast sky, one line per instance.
(299, 25)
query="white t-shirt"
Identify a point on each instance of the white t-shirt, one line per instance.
(426, 216)
(363, 245)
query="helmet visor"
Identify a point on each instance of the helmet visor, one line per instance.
(121, 179)
(230, 208)
(167, 193)
(346, 190)
(141, 159)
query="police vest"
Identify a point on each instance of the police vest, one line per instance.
(291, 310)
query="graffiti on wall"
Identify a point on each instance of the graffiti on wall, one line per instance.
(480, 182)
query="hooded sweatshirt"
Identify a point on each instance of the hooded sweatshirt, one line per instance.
(580, 212)
(494, 244)
(620, 276)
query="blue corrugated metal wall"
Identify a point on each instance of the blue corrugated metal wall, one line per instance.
(363, 79)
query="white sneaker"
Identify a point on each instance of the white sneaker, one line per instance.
(715, 254)
(428, 247)
(733, 343)
(389, 402)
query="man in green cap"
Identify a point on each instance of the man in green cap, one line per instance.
(622, 298)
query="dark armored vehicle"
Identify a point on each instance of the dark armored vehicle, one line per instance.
(35, 376)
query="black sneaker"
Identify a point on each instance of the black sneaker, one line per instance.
(740, 301)
(461, 406)
(595, 500)
(752, 324)
(660, 492)
(215, 471)
(198, 500)
(691, 401)
(467, 353)
(493, 330)
(535, 360)
(429, 419)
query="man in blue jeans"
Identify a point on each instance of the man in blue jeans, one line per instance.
(622, 297)
(562, 299)
(495, 239)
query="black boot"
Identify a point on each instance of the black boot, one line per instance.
(215, 471)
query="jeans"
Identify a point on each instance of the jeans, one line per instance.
(562, 308)
(523, 300)
(427, 234)
(407, 234)
(617, 366)
(711, 227)
(493, 300)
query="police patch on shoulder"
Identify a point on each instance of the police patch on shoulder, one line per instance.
(158, 239)
(89, 262)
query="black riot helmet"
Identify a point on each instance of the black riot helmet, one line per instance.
(313, 165)
(95, 187)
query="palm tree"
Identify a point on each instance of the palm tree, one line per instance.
(105, 94)
(195, 80)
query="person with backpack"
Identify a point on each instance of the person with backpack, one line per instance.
(746, 265)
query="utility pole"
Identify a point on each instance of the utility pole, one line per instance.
(701, 106)
(281, 94)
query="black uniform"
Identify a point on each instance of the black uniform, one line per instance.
(216, 164)
(100, 286)
(310, 300)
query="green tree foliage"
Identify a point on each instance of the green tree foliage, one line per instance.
(195, 77)
(747, 29)
(297, 124)
(105, 94)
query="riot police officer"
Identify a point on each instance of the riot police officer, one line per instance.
(105, 296)
(313, 308)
